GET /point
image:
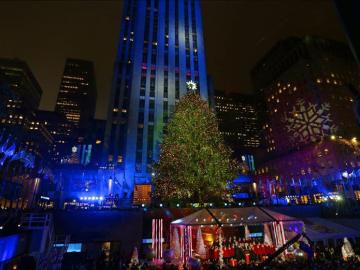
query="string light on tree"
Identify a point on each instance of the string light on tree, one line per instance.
(194, 164)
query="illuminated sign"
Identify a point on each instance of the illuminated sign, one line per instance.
(257, 234)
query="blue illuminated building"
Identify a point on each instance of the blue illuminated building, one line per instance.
(161, 48)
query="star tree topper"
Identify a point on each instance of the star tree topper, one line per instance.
(191, 85)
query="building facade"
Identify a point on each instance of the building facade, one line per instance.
(25, 143)
(22, 83)
(77, 94)
(310, 126)
(75, 105)
(161, 48)
(238, 122)
(60, 130)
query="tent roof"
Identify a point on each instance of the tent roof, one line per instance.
(233, 216)
(323, 229)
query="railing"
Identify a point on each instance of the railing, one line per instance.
(33, 221)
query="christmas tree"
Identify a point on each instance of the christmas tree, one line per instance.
(194, 162)
(176, 244)
(134, 258)
(200, 246)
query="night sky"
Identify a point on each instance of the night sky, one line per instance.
(237, 35)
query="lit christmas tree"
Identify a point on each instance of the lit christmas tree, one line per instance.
(194, 163)
(176, 244)
(134, 258)
(200, 246)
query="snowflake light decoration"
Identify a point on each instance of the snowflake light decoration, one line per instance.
(308, 122)
(191, 85)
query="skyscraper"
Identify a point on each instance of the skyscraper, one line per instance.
(22, 83)
(77, 94)
(239, 122)
(25, 142)
(161, 48)
(311, 130)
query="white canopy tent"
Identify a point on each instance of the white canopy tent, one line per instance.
(233, 217)
(283, 227)
(320, 229)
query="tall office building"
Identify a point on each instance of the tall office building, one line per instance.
(25, 143)
(21, 82)
(161, 49)
(311, 130)
(77, 94)
(239, 123)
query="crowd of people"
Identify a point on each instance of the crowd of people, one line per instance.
(344, 255)
(323, 258)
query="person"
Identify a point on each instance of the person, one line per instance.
(216, 253)
(238, 251)
(347, 250)
(229, 240)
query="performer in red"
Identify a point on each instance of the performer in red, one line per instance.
(232, 250)
(266, 249)
(262, 249)
(272, 249)
(247, 258)
(255, 248)
(216, 253)
(226, 252)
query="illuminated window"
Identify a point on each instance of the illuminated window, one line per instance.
(357, 194)
(142, 194)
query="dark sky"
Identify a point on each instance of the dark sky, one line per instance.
(237, 35)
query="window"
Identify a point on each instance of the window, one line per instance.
(152, 104)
